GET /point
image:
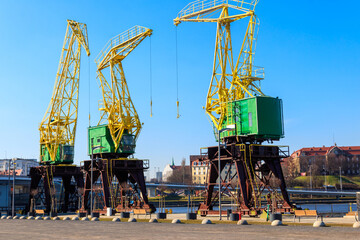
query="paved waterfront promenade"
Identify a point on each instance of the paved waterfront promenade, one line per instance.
(31, 229)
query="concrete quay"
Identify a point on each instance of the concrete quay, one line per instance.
(32, 229)
(346, 221)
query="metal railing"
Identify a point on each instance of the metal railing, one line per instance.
(257, 72)
(201, 5)
(119, 39)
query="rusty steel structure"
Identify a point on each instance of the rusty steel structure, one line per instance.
(257, 168)
(47, 193)
(121, 185)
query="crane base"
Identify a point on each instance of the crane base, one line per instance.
(121, 185)
(252, 178)
(49, 194)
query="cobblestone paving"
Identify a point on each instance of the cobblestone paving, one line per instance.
(31, 229)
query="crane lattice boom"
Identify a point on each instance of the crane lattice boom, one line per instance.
(58, 127)
(230, 80)
(117, 108)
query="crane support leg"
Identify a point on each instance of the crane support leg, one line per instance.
(122, 184)
(51, 197)
(246, 170)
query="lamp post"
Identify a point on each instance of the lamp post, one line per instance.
(9, 189)
(13, 192)
(340, 179)
(92, 177)
(228, 128)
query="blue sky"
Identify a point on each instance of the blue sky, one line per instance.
(310, 51)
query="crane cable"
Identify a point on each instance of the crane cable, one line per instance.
(150, 81)
(177, 74)
(89, 88)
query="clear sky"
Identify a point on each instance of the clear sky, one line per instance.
(310, 51)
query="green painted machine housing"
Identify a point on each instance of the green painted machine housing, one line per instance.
(64, 155)
(258, 118)
(100, 141)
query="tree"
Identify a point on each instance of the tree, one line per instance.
(181, 174)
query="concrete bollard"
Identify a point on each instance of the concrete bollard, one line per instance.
(276, 223)
(66, 219)
(108, 212)
(16, 217)
(75, 219)
(356, 225)
(38, 218)
(55, 218)
(94, 219)
(242, 222)
(85, 219)
(176, 221)
(116, 220)
(22, 217)
(47, 218)
(9, 217)
(3, 217)
(30, 218)
(319, 223)
(206, 221)
(132, 220)
(153, 220)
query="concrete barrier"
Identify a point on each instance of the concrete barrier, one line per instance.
(242, 222)
(132, 220)
(319, 223)
(206, 221)
(276, 223)
(116, 220)
(153, 220)
(176, 221)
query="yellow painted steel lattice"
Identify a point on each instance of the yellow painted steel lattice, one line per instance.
(231, 80)
(117, 108)
(59, 123)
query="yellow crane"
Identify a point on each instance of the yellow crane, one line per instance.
(58, 127)
(119, 125)
(231, 80)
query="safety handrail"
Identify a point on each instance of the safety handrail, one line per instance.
(119, 39)
(201, 5)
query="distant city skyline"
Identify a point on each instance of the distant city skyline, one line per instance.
(311, 61)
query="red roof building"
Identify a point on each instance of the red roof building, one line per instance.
(325, 159)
